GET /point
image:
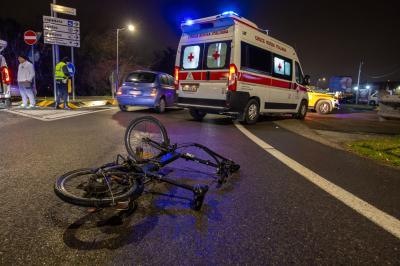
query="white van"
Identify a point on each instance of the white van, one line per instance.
(226, 65)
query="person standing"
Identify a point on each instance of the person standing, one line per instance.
(62, 74)
(25, 76)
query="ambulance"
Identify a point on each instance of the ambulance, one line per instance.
(227, 65)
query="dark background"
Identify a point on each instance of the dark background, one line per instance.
(330, 37)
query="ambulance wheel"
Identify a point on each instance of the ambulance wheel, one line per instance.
(323, 107)
(123, 108)
(251, 112)
(197, 114)
(302, 112)
(8, 102)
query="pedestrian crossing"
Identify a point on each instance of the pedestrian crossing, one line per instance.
(52, 114)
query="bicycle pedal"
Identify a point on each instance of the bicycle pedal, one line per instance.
(200, 190)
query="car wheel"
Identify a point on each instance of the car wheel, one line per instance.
(161, 106)
(197, 114)
(323, 107)
(123, 108)
(251, 112)
(302, 112)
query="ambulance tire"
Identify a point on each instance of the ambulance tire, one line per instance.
(123, 108)
(197, 114)
(302, 112)
(323, 107)
(8, 103)
(251, 112)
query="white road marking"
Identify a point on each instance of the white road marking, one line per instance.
(52, 115)
(380, 218)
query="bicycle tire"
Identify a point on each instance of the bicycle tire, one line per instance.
(132, 151)
(134, 191)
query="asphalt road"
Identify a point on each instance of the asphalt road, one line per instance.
(265, 214)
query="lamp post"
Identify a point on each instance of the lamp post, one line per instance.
(130, 28)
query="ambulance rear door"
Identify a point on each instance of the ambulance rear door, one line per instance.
(205, 56)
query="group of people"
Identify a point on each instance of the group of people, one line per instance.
(25, 78)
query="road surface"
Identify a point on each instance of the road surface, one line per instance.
(266, 214)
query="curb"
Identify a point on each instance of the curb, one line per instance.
(78, 104)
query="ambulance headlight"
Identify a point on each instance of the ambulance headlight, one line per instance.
(189, 22)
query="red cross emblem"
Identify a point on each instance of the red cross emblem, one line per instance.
(216, 55)
(190, 57)
(279, 67)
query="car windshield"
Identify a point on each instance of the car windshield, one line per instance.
(141, 77)
(316, 89)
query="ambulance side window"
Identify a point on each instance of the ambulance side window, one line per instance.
(191, 57)
(255, 59)
(282, 67)
(299, 74)
(217, 55)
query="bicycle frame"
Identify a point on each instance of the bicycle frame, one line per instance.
(149, 170)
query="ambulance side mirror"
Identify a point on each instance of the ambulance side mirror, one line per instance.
(307, 79)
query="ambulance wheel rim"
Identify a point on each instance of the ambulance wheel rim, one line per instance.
(303, 110)
(252, 111)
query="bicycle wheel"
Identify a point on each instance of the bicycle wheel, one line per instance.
(142, 137)
(83, 187)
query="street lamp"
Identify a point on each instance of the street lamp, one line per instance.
(131, 28)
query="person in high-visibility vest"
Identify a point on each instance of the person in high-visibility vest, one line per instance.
(62, 75)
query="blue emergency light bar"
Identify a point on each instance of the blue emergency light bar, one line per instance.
(227, 13)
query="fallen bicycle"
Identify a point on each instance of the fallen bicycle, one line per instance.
(149, 150)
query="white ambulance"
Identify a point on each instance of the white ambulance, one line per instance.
(226, 65)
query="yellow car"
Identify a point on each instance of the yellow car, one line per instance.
(320, 101)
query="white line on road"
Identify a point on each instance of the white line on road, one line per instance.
(380, 218)
(52, 115)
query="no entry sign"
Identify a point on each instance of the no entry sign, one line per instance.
(30, 37)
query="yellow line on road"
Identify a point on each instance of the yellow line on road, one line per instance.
(380, 218)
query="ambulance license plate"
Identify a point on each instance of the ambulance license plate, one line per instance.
(190, 87)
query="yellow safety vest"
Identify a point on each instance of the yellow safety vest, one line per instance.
(59, 71)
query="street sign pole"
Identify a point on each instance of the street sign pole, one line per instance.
(55, 56)
(33, 63)
(73, 77)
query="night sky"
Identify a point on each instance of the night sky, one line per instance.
(330, 37)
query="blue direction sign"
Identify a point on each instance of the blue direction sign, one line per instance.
(71, 69)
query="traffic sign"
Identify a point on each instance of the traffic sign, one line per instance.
(63, 9)
(71, 69)
(63, 42)
(30, 37)
(60, 28)
(61, 21)
(62, 35)
(60, 31)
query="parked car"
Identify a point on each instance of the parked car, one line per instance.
(321, 101)
(147, 88)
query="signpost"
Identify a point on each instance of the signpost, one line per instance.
(64, 32)
(30, 38)
(63, 9)
(60, 31)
